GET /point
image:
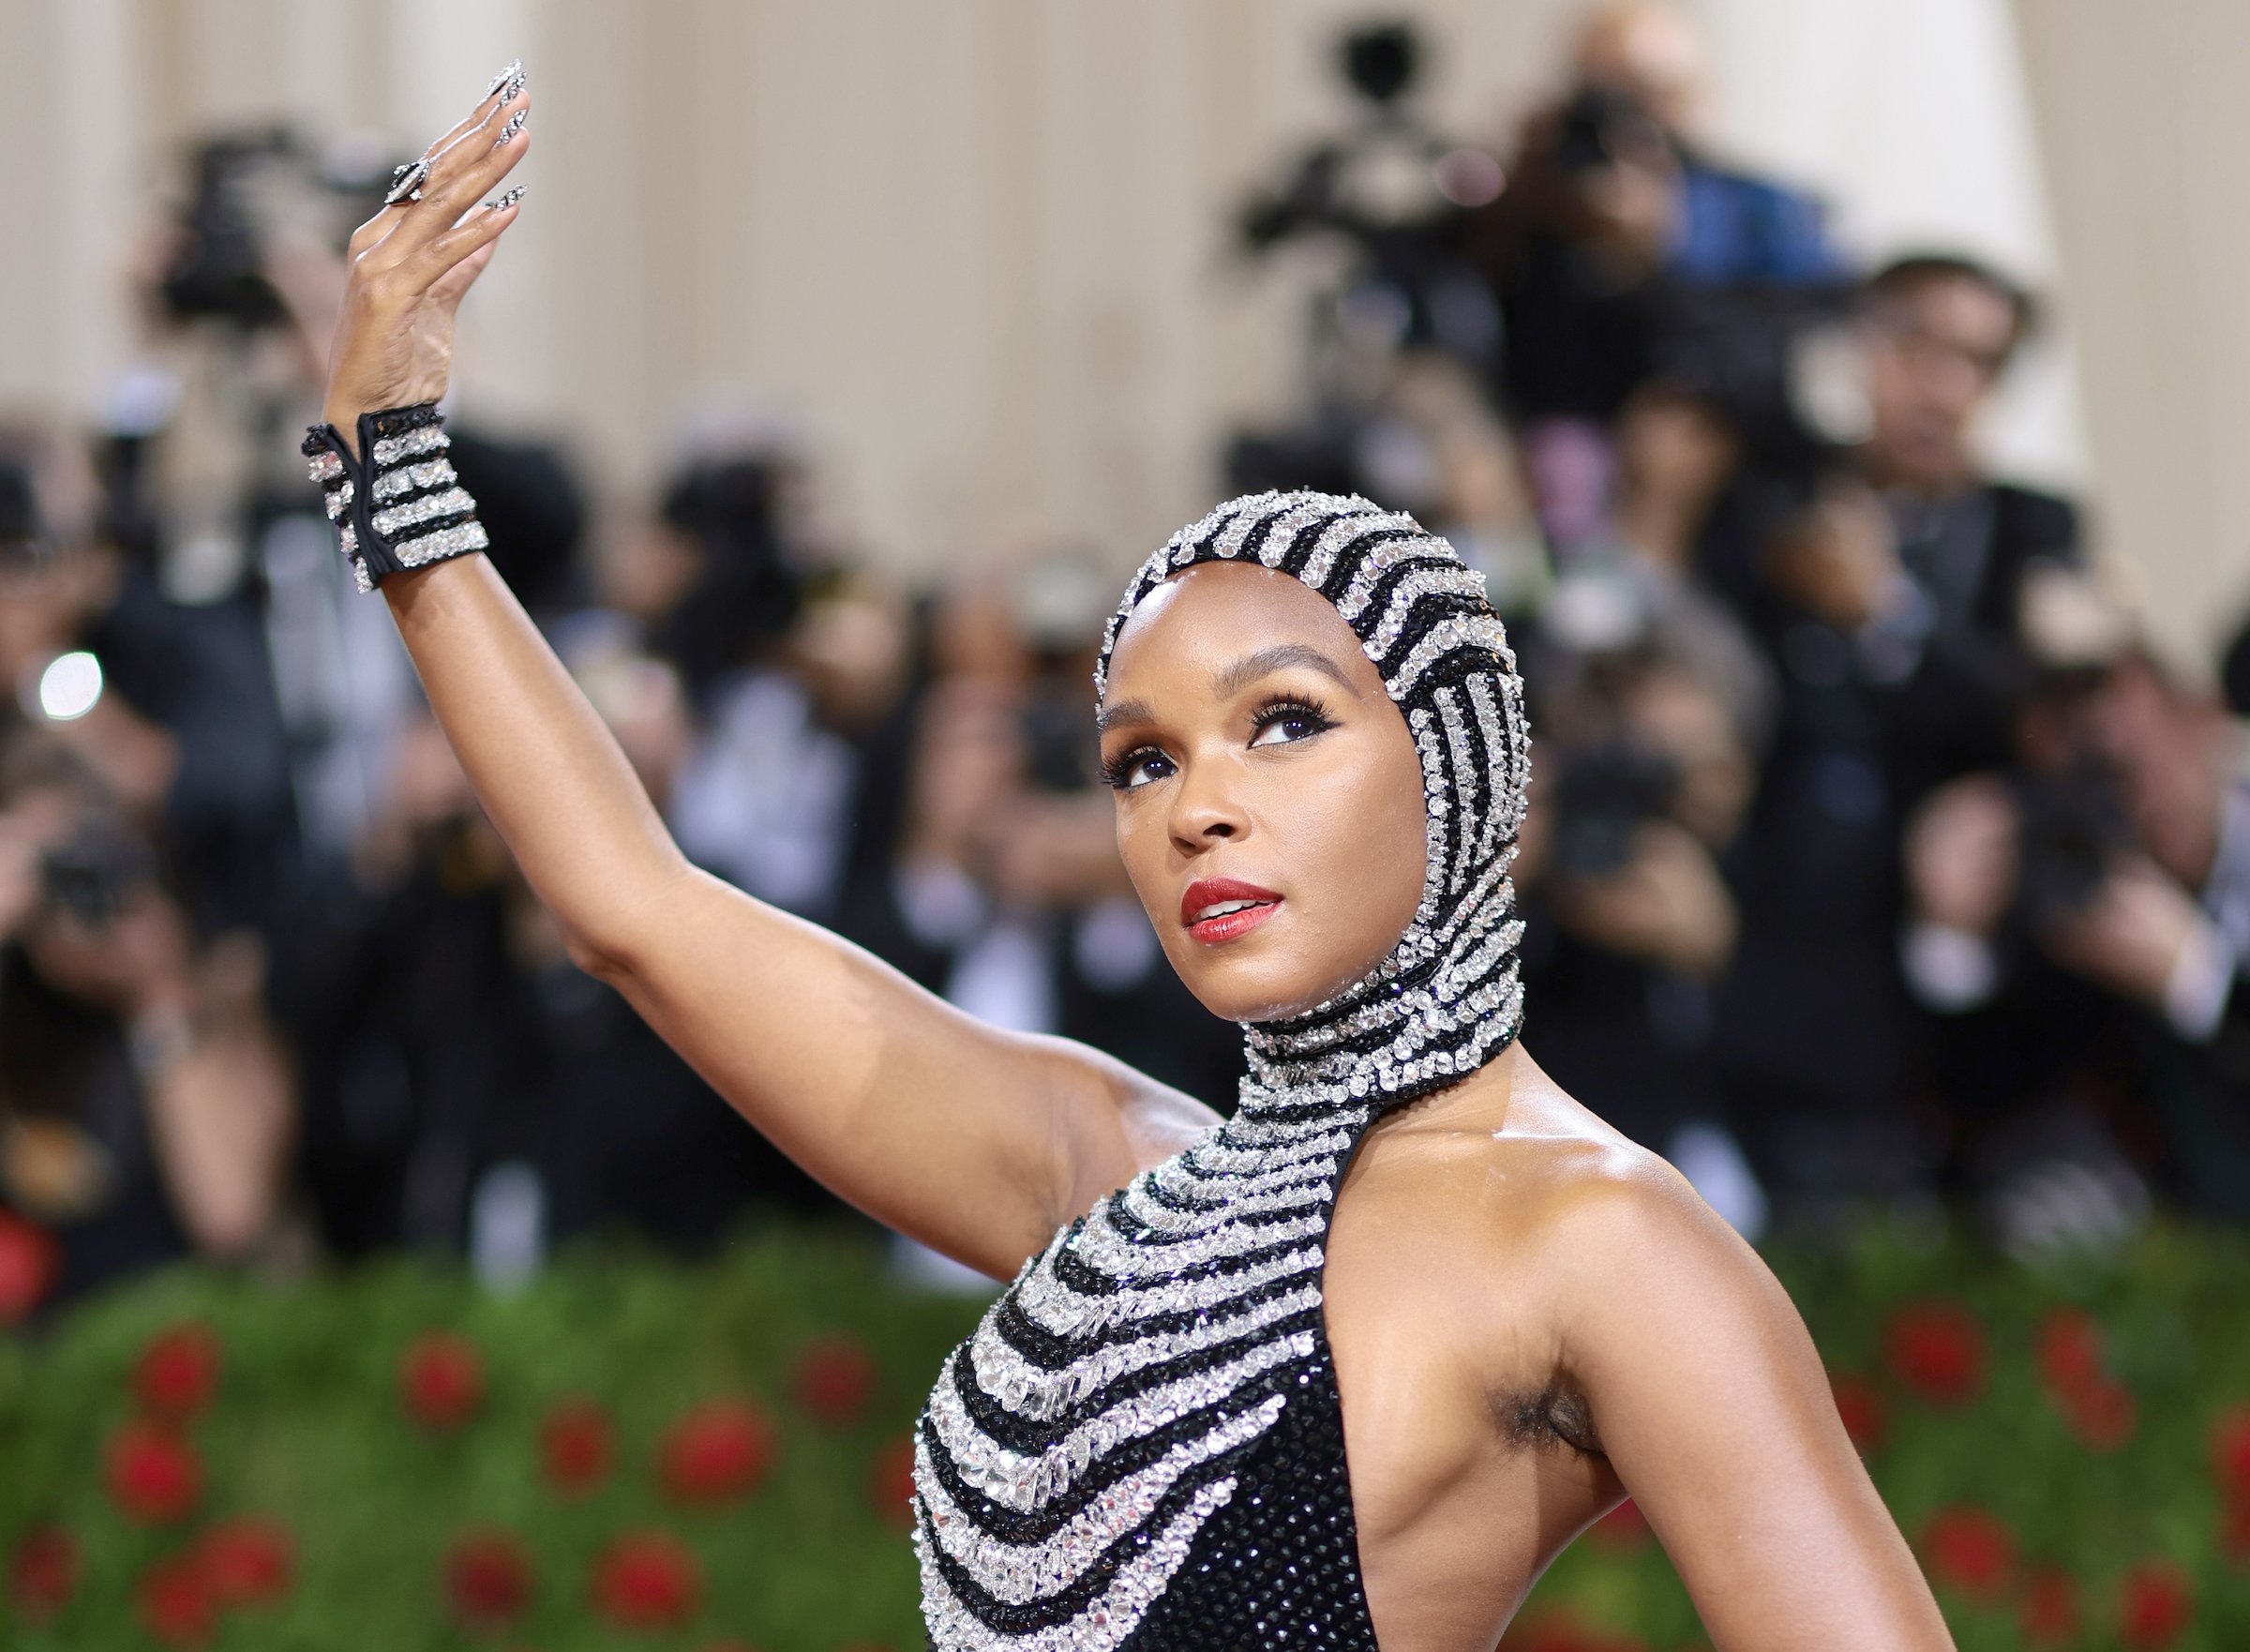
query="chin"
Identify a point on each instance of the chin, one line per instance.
(1268, 986)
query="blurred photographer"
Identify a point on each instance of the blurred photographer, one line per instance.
(1648, 767)
(168, 706)
(1889, 587)
(2082, 922)
(145, 1108)
(1620, 247)
(1910, 557)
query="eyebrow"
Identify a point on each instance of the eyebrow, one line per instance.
(1231, 680)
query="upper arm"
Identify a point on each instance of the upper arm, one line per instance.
(1715, 1410)
(977, 1141)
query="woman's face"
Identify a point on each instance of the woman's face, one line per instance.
(1269, 801)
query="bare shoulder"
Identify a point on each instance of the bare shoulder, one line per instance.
(1577, 1213)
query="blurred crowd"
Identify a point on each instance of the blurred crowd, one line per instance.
(1874, 862)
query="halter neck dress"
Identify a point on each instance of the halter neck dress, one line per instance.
(1140, 1448)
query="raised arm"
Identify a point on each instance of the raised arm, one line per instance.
(1715, 1410)
(976, 1141)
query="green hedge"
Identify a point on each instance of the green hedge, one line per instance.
(635, 1453)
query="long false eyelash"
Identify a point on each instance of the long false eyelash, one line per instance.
(1282, 707)
(1117, 773)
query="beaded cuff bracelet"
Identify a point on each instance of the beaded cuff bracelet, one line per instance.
(397, 504)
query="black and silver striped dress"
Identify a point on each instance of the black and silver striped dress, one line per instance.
(1142, 1447)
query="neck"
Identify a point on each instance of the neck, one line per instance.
(1439, 1008)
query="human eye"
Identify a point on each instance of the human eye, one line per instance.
(1134, 769)
(1285, 722)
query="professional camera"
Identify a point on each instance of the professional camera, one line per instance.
(1775, 363)
(2071, 827)
(25, 547)
(1605, 794)
(1394, 192)
(94, 872)
(246, 187)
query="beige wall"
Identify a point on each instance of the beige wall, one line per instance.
(2146, 133)
(977, 246)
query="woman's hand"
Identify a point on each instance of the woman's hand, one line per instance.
(411, 265)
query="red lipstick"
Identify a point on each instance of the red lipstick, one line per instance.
(1217, 909)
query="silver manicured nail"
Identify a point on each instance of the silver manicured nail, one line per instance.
(502, 202)
(514, 124)
(513, 72)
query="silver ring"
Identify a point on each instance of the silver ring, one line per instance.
(407, 181)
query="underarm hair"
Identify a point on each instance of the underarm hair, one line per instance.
(1556, 1414)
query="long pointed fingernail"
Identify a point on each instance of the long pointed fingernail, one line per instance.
(512, 73)
(514, 124)
(502, 202)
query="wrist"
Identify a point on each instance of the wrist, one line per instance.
(158, 1036)
(391, 490)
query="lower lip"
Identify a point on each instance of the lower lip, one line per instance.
(1232, 926)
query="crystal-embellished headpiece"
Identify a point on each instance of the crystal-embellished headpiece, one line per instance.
(1448, 997)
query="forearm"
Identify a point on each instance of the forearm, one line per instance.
(549, 773)
(220, 1120)
(929, 1121)
(962, 1134)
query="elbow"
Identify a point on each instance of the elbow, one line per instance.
(607, 958)
(611, 939)
(614, 940)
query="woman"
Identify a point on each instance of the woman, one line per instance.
(1311, 719)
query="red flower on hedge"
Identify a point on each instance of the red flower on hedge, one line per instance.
(576, 1445)
(717, 1452)
(42, 1574)
(2050, 1617)
(2234, 1535)
(1937, 1350)
(247, 1562)
(836, 1378)
(647, 1580)
(891, 1483)
(487, 1578)
(153, 1476)
(2104, 1414)
(440, 1380)
(2230, 1448)
(28, 1259)
(175, 1602)
(1970, 1550)
(1623, 1529)
(178, 1371)
(2157, 1606)
(1561, 1630)
(2070, 1352)
(1862, 1409)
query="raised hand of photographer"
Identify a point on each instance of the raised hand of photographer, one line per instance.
(1666, 906)
(1961, 855)
(19, 875)
(413, 264)
(2132, 936)
(138, 964)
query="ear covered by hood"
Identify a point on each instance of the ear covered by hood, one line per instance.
(1448, 997)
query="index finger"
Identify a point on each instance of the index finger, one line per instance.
(414, 180)
(411, 181)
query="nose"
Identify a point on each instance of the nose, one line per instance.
(1207, 808)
